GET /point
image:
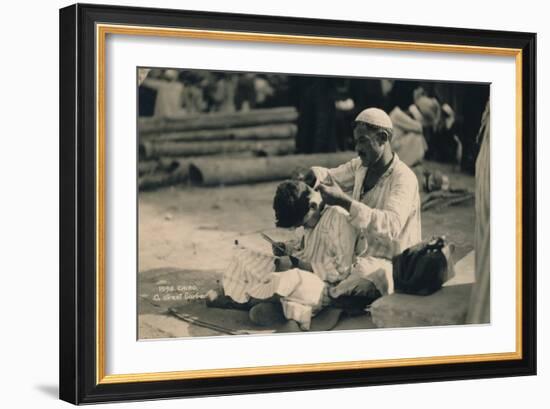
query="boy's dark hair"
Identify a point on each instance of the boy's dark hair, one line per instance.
(291, 203)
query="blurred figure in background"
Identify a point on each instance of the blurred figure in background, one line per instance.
(444, 145)
(142, 74)
(193, 95)
(314, 98)
(480, 306)
(345, 113)
(220, 92)
(169, 90)
(408, 128)
(467, 102)
(252, 92)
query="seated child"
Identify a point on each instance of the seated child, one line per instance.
(327, 247)
(299, 277)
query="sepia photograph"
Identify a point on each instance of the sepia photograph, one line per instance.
(281, 203)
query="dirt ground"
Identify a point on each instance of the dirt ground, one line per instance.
(186, 237)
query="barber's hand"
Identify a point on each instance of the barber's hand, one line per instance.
(279, 249)
(333, 195)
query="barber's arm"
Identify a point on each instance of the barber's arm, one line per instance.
(387, 221)
(343, 175)
(285, 263)
(333, 195)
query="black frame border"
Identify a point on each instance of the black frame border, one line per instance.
(78, 197)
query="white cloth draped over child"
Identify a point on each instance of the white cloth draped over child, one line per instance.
(329, 247)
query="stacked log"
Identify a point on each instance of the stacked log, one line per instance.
(217, 120)
(227, 171)
(155, 149)
(146, 167)
(223, 149)
(261, 132)
(169, 172)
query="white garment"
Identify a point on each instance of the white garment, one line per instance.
(246, 273)
(387, 217)
(169, 97)
(480, 301)
(330, 245)
(251, 275)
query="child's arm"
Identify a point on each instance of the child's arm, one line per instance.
(288, 262)
(284, 251)
(285, 248)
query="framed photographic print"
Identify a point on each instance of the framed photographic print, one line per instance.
(258, 203)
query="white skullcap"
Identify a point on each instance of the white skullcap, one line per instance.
(171, 74)
(376, 117)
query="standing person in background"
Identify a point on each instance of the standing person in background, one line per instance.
(220, 92)
(409, 126)
(480, 311)
(314, 98)
(444, 145)
(142, 74)
(169, 93)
